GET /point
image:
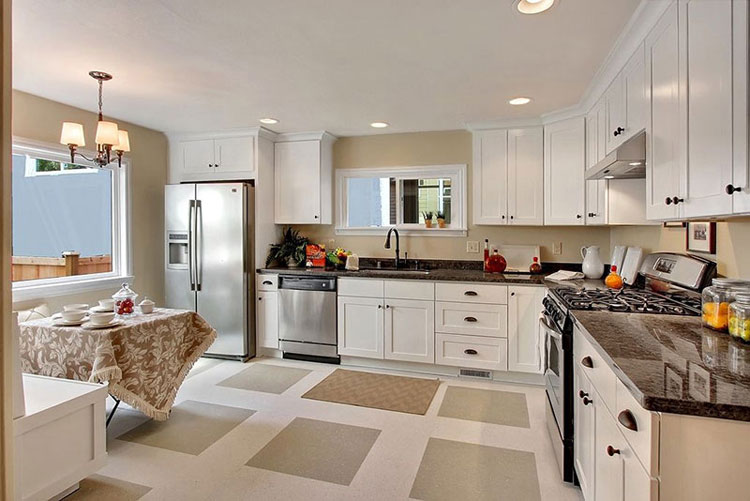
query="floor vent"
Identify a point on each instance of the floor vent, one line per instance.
(475, 373)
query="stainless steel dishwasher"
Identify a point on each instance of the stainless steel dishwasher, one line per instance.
(307, 317)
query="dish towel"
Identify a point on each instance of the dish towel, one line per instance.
(565, 275)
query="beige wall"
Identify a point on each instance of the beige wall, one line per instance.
(40, 119)
(438, 148)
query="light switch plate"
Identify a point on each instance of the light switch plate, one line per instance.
(472, 246)
(557, 248)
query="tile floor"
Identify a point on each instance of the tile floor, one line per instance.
(227, 442)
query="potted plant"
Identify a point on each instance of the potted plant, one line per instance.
(427, 219)
(440, 219)
(290, 251)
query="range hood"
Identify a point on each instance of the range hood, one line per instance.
(628, 161)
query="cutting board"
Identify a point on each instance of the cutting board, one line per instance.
(631, 265)
(618, 257)
(519, 257)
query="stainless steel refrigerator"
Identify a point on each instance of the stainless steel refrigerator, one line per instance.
(209, 238)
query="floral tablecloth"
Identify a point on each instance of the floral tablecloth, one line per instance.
(145, 360)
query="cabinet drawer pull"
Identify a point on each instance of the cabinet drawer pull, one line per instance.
(627, 419)
(470, 319)
(471, 352)
(587, 362)
(470, 293)
(611, 451)
(267, 282)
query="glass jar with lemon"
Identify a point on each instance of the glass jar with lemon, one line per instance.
(716, 301)
(739, 317)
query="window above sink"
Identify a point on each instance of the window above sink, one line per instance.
(369, 201)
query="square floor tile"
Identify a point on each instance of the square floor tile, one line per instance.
(191, 428)
(203, 364)
(488, 406)
(458, 470)
(315, 449)
(97, 487)
(266, 378)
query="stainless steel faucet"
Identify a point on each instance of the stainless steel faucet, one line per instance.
(388, 244)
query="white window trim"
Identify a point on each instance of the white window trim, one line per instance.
(122, 264)
(458, 225)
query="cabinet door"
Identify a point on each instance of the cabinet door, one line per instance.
(526, 176)
(197, 156)
(614, 104)
(410, 330)
(490, 173)
(297, 180)
(634, 90)
(360, 326)
(524, 336)
(608, 470)
(596, 190)
(584, 445)
(741, 174)
(564, 167)
(663, 125)
(706, 73)
(235, 154)
(267, 312)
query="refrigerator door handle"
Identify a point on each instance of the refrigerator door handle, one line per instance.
(191, 239)
(198, 245)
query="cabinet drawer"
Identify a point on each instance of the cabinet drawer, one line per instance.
(360, 287)
(644, 440)
(596, 369)
(471, 293)
(473, 319)
(267, 282)
(410, 289)
(471, 351)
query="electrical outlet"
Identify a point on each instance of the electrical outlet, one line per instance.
(472, 246)
(557, 248)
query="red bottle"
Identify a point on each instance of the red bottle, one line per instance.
(535, 266)
(495, 263)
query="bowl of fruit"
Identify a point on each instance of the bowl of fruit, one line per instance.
(338, 257)
(125, 301)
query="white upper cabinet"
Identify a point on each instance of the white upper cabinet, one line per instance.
(508, 175)
(213, 157)
(490, 173)
(303, 178)
(564, 166)
(614, 106)
(596, 190)
(625, 102)
(663, 124)
(234, 154)
(197, 157)
(526, 176)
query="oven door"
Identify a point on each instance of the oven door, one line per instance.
(554, 369)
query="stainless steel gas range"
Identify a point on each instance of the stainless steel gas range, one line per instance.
(667, 284)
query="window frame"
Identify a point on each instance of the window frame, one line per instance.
(459, 199)
(122, 265)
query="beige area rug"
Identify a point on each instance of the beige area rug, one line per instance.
(458, 470)
(379, 391)
(488, 406)
(266, 378)
(99, 487)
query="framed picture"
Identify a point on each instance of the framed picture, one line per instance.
(701, 237)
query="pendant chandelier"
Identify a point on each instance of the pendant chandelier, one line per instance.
(108, 137)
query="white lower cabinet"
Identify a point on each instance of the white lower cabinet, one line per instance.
(410, 330)
(584, 432)
(267, 312)
(360, 326)
(524, 333)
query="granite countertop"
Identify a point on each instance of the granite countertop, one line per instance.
(438, 275)
(673, 364)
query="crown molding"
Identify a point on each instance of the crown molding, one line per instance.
(305, 136)
(227, 133)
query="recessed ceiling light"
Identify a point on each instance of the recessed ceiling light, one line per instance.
(533, 6)
(635, 164)
(268, 121)
(609, 177)
(379, 125)
(518, 101)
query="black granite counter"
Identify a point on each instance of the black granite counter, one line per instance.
(437, 275)
(673, 364)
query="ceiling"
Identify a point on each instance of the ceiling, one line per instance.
(336, 65)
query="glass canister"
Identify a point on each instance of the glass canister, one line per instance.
(125, 300)
(716, 300)
(739, 317)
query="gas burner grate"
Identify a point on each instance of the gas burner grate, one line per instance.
(630, 301)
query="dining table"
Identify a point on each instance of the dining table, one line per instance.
(144, 358)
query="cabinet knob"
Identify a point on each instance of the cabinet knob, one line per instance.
(578, 216)
(470, 319)
(388, 307)
(316, 217)
(471, 352)
(502, 217)
(731, 189)
(627, 419)
(587, 401)
(210, 165)
(618, 131)
(512, 217)
(512, 293)
(582, 394)
(260, 299)
(668, 201)
(611, 451)
(591, 214)
(677, 200)
(587, 362)
(380, 306)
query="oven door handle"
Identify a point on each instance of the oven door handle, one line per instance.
(549, 329)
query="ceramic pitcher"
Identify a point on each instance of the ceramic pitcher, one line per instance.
(593, 267)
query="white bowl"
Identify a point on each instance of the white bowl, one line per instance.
(73, 315)
(108, 304)
(78, 306)
(101, 318)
